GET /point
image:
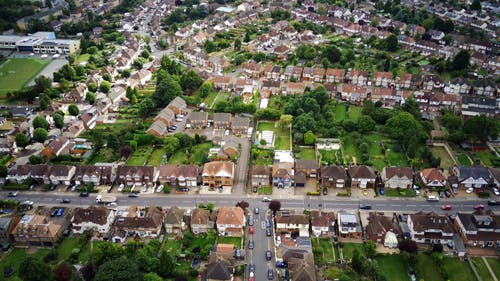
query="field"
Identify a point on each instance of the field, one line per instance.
(446, 161)
(17, 72)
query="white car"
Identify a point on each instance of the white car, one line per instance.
(266, 199)
(226, 133)
(470, 190)
(495, 190)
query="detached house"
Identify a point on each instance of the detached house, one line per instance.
(479, 230)
(432, 178)
(309, 167)
(37, 230)
(397, 177)
(362, 176)
(174, 221)
(260, 175)
(282, 175)
(56, 147)
(379, 226)
(289, 222)
(333, 176)
(216, 174)
(200, 221)
(349, 225)
(219, 270)
(143, 223)
(230, 221)
(323, 223)
(93, 218)
(430, 228)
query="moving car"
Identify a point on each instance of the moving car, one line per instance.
(12, 194)
(493, 203)
(269, 256)
(495, 190)
(250, 244)
(256, 210)
(66, 201)
(445, 207)
(133, 195)
(268, 232)
(365, 206)
(251, 230)
(270, 274)
(266, 199)
(84, 194)
(479, 207)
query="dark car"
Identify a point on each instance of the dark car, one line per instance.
(250, 221)
(270, 274)
(281, 264)
(447, 193)
(493, 203)
(325, 191)
(133, 195)
(365, 206)
(84, 194)
(12, 165)
(268, 232)
(252, 267)
(268, 255)
(12, 194)
(250, 244)
(66, 201)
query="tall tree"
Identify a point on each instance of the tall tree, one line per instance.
(476, 5)
(40, 135)
(462, 60)
(167, 88)
(167, 264)
(58, 121)
(40, 122)
(120, 269)
(237, 44)
(22, 140)
(34, 269)
(73, 110)
(190, 80)
(391, 43)
(309, 138)
(62, 272)
(274, 206)
(481, 128)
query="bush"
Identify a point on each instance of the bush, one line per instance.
(50, 256)
(484, 194)
(344, 194)
(316, 193)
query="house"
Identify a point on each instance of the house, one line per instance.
(140, 78)
(349, 224)
(136, 175)
(178, 175)
(158, 129)
(56, 147)
(240, 125)
(387, 96)
(430, 228)
(216, 174)
(300, 263)
(117, 94)
(230, 221)
(410, 81)
(472, 176)
(297, 73)
(308, 74)
(7, 224)
(382, 79)
(485, 87)
(89, 118)
(495, 176)
(174, 221)
(273, 87)
(37, 230)
(333, 176)
(39, 173)
(319, 75)
(289, 222)
(358, 77)
(260, 175)
(352, 93)
(77, 95)
(177, 105)
(294, 88)
(323, 223)
(61, 174)
(93, 219)
(230, 148)
(200, 221)
(432, 178)
(379, 225)
(334, 75)
(397, 177)
(478, 105)
(309, 167)
(146, 223)
(432, 82)
(219, 270)
(252, 70)
(95, 174)
(282, 175)
(222, 120)
(362, 176)
(222, 83)
(197, 119)
(458, 86)
(478, 230)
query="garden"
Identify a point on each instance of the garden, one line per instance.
(282, 137)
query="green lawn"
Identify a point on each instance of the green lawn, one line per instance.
(262, 156)
(340, 112)
(266, 126)
(485, 157)
(179, 157)
(193, 156)
(329, 156)
(464, 160)
(326, 250)
(15, 258)
(495, 266)
(282, 142)
(427, 269)
(15, 73)
(282, 138)
(156, 157)
(446, 161)
(70, 243)
(173, 246)
(481, 268)
(236, 241)
(221, 96)
(393, 267)
(266, 190)
(210, 98)
(349, 248)
(306, 154)
(354, 112)
(140, 156)
(458, 270)
(83, 58)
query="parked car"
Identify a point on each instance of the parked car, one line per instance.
(84, 194)
(66, 201)
(470, 190)
(441, 194)
(12, 194)
(493, 203)
(447, 193)
(268, 255)
(479, 207)
(270, 274)
(250, 221)
(252, 267)
(256, 210)
(251, 230)
(281, 264)
(268, 232)
(445, 207)
(133, 195)
(250, 244)
(495, 191)
(365, 206)
(266, 199)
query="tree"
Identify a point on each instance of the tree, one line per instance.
(309, 138)
(370, 249)
(35, 159)
(40, 122)
(358, 262)
(152, 277)
(125, 151)
(243, 204)
(113, 142)
(167, 88)
(476, 5)
(412, 107)
(22, 140)
(90, 98)
(73, 110)
(366, 124)
(146, 107)
(120, 269)
(450, 120)
(408, 245)
(58, 121)
(40, 135)
(205, 90)
(34, 269)
(462, 60)
(62, 272)
(246, 39)
(391, 43)
(285, 121)
(274, 206)
(237, 44)
(190, 80)
(3, 171)
(167, 264)
(331, 53)
(42, 84)
(105, 87)
(481, 128)
(87, 271)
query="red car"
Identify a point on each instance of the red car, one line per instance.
(250, 229)
(479, 207)
(445, 207)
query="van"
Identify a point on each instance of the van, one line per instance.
(432, 198)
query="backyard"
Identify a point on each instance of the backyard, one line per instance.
(323, 251)
(195, 156)
(282, 138)
(348, 249)
(236, 241)
(481, 268)
(446, 161)
(393, 267)
(306, 154)
(15, 258)
(495, 266)
(15, 73)
(262, 156)
(329, 156)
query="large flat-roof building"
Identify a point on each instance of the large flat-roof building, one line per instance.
(40, 42)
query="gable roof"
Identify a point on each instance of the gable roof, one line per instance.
(381, 224)
(333, 171)
(218, 168)
(174, 215)
(433, 174)
(200, 216)
(399, 172)
(362, 171)
(93, 214)
(306, 164)
(474, 172)
(425, 221)
(233, 216)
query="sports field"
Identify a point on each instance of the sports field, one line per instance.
(17, 72)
